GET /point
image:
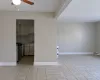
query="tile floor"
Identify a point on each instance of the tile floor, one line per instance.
(73, 67)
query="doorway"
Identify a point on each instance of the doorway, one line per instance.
(25, 41)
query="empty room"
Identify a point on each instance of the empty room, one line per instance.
(49, 40)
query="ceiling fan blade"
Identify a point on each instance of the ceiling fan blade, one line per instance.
(28, 2)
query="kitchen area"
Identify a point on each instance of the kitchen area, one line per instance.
(25, 41)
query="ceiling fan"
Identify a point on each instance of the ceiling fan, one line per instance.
(18, 2)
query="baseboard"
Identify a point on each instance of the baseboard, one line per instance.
(72, 53)
(8, 63)
(46, 63)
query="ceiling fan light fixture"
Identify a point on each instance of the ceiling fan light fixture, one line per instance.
(16, 2)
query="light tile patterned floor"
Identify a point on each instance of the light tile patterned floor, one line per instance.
(73, 67)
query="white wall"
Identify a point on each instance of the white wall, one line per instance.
(45, 36)
(76, 37)
(98, 37)
(7, 39)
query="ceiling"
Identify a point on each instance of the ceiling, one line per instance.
(39, 6)
(81, 11)
(66, 10)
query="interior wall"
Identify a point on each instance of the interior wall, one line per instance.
(45, 36)
(7, 39)
(98, 37)
(76, 37)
